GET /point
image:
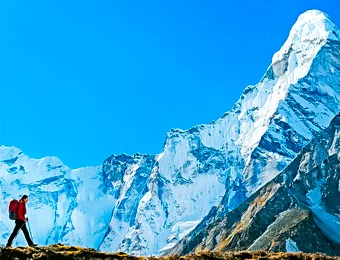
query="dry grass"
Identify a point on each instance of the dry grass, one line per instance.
(242, 255)
(58, 252)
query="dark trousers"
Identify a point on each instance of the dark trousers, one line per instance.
(19, 224)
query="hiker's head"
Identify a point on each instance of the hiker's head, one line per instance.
(24, 199)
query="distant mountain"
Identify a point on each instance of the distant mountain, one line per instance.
(146, 204)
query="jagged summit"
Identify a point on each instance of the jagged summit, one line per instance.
(312, 30)
(7, 152)
(312, 25)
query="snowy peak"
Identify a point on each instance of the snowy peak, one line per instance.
(9, 153)
(310, 32)
(17, 166)
(313, 25)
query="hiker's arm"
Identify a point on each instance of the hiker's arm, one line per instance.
(20, 212)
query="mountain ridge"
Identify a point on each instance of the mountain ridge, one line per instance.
(295, 191)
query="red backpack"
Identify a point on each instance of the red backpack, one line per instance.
(13, 209)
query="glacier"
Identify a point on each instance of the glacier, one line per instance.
(144, 204)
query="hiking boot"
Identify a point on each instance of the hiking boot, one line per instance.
(33, 245)
(9, 246)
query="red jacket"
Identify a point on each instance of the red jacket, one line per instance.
(21, 211)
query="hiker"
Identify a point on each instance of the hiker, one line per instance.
(20, 223)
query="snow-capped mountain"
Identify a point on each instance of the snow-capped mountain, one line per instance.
(299, 210)
(145, 204)
(64, 205)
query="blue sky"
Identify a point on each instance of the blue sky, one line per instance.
(82, 80)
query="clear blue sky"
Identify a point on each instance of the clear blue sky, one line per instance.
(82, 80)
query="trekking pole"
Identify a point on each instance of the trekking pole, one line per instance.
(29, 229)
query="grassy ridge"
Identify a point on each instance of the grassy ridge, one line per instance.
(59, 251)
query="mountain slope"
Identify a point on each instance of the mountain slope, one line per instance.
(236, 155)
(145, 204)
(297, 211)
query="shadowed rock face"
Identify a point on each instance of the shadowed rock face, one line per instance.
(299, 210)
(59, 251)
